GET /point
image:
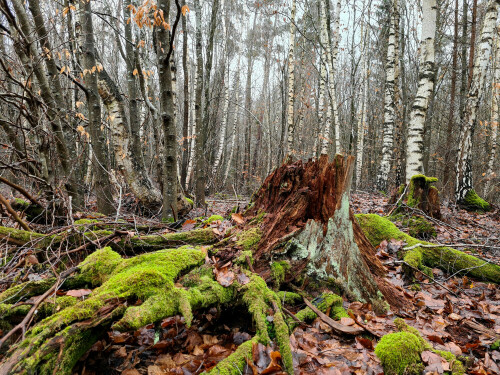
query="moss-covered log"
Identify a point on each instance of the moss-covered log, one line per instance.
(75, 237)
(378, 228)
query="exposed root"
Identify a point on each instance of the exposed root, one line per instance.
(449, 260)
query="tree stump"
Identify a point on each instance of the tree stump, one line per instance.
(309, 223)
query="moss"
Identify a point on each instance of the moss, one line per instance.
(8, 310)
(278, 271)
(377, 229)
(289, 297)
(283, 341)
(190, 201)
(259, 218)
(495, 345)
(472, 201)
(249, 239)
(26, 290)
(236, 362)
(420, 228)
(51, 307)
(419, 180)
(242, 258)
(456, 366)
(213, 218)
(157, 242)
(86, 221)
(397, 351)
(326, 301)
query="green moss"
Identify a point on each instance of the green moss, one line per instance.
(419, 180)
(420, 228)
(283, 341)
(51, 307)
(242, 258)
(259, 218)
(377, 229)
(289, 297)
(456, 366)
(26, 290)
(203, 236)
(213, 218)
(495, 345)
(236, 362)
(397, 351)
(249, 239)
(86, 221)
(278, 271)
(189, 200)
(472, 201)
(326, 301)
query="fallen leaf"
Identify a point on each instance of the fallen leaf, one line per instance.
(78, 293)
(237, 218)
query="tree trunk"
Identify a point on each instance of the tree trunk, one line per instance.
(495, 116)
(451, 115)
(390, 104)
(186, 107)
(291, 82)
(89, 64)
(415, 141)
(464, 192)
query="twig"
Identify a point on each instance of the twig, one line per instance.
(21, 190)
(353, 317)
(13, 213)
(332, 323)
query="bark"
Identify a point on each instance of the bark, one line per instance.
(89, 64)
(53, 110)
(390, 102)
(495, 116)
(185, 108)
(325, 112)
(167, 111)
(291, 82)
(333, 92)
(451, 115)
(363, 101)
(415, 142)
(225, 82)
(463, 168)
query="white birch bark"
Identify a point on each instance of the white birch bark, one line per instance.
(495, 114)
(476, 91)
(389, 100)
(415, 142)
(363, 99)
(333, 92)
(291, 81)
(225, 108)
(192, 133)
(235, 121)
(325, 112)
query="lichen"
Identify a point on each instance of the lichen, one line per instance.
(249, 239)
(473, 201)
(397, 351)
(377, 229)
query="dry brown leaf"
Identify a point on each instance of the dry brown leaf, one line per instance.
(237, 218)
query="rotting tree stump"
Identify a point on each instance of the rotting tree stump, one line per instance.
(299, 229)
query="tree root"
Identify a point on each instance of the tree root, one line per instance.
(377, 229)
(55, 344)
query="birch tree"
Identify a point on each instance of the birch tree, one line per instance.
(415, 141)
(291, 81)
(390, 102)
(495, 114)
(464, 192)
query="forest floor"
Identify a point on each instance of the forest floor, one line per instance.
(455, 314)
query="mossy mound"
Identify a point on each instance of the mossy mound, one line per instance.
(213, 218)
(417, 181)
(170, 282)
(474, 202)
(249, 239)
(398, 351)
(377, 229)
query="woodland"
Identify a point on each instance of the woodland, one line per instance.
(249, 187)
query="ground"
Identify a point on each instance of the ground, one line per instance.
(457, 315)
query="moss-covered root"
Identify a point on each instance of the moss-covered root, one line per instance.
(235, 363)
(474, 202)
(148, 277)
(377, 229)
(328, 301)
(259, 299)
